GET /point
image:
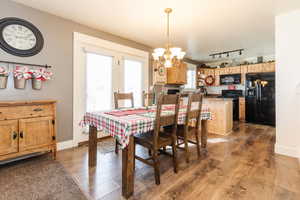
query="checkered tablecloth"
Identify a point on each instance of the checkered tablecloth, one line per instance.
(123, 127)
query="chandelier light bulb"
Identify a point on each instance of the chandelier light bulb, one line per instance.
(168, 64)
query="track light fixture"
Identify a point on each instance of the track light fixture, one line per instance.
(227, 53)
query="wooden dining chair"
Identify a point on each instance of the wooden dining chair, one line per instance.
(157, 139)
(192, 124)
(122, 97)
(148, 99)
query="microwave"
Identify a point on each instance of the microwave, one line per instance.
(230, 79)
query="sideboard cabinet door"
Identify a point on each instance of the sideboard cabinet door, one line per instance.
(8, 137)
(35, 133)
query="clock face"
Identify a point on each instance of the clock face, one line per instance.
(19, 37)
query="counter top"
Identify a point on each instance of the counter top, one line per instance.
(217, 99)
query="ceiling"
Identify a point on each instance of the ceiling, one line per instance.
(200, 27)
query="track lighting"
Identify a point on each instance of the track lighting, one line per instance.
(227, 53)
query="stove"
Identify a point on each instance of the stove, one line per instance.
(234, 95)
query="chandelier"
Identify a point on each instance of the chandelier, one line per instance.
(168, 56)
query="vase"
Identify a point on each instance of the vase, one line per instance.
(37, 84)
(3, 82)
(19, 83)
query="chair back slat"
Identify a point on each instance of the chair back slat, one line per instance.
(170, 99)
(148, 98)
(194, 114)
(167, 120)
(123, 96)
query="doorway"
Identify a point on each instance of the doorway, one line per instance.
(100, 69)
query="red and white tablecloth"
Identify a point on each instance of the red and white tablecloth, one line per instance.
(122, 127)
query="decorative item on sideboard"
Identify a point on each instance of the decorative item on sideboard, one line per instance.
(39, 76)
(3, 77)
(21, 75)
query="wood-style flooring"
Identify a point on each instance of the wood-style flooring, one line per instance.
(239, 166)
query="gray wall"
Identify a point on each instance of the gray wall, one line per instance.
(58, 52)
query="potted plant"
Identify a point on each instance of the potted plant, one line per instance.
(3, 77)
(39, 76)
(21, 75)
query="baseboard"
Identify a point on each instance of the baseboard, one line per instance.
(66, 145)
(287, 151)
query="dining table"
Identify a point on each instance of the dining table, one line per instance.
(123, 124)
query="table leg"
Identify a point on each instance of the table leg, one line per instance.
(204, 135)
(128, 169)
(92, 146)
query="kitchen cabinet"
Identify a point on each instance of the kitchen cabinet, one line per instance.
(222, 115)
(243, 70)
(255, 68)
(26, 128)
(217, 77)
(233, 70)
(177, 74)
(8, 137)
(242, 109)
(243, 74)
(268, 67)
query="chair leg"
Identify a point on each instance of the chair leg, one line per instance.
(156, 168)
(149, 152)
(186, 148)
(116, 148)
(134, 153)
(174, 151)
(198, 143)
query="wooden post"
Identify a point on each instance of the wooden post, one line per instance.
(92, 146)
(128, 169)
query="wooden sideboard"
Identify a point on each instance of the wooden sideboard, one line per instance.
(27, 127)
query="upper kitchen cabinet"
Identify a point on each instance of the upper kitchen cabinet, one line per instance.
(255, 68)
(268, 67)
(261, 67)
(177, 74)
(233, 70)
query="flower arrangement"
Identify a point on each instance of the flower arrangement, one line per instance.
(41, 74)
(3, 72)
(22, 73)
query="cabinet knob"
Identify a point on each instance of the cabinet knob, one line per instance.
(37, 109)
(21, 134)
(15, 135)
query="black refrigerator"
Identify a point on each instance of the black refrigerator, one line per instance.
(260, 98)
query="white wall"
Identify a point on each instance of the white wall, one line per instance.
(288, 84)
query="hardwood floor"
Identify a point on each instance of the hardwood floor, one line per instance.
(239, 166)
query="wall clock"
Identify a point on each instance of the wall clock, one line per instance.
(209, 80)
(19, 37)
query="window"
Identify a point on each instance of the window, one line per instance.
(98, 82)
(191, 76)
(133, 80)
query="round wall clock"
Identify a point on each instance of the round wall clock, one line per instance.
(209, 80)
(19, 37)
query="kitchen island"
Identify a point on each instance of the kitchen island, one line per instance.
(222, 115)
